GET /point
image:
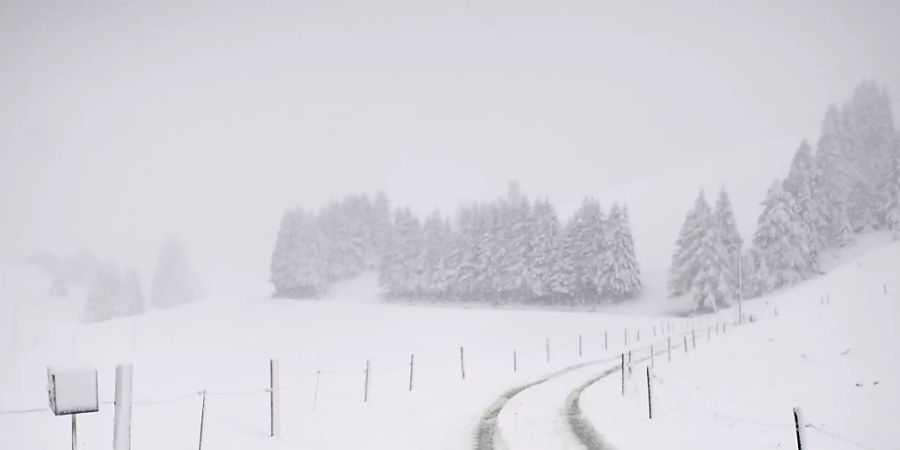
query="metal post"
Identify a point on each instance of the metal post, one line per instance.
(740, 289)
(797, 428)
(202, 417)
(274, 404)
(122, 417)
(412, 360)
(547, 348)
(462, 363)
(366, 387)
(74, 433)
(649, 397)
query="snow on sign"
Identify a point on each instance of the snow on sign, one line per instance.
(72, 390)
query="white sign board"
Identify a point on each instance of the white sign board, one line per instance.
(72, 391)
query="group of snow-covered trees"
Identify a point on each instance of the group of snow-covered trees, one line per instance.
(510, 249)
(114, 292)
(850, 184)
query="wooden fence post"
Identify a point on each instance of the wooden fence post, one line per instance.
(797, 428)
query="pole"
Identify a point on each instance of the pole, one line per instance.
(580, 354)
(547, 348)
(316, 392)
(462, 363)
(740, 289)
(649, 396)
(605, 340)
(515, 362)
(652, 357)
(366, 387)
(669, 341)
(797, 428)
(412, 359)
(202, 416)
(274, 403)
(626, 337)
(694, 339)
(639, 335)
(122, 418)
(623, 374)
(75, 433)
(685, 345)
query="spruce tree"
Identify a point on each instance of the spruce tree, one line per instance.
(801, 183)
(543, 237)
(834, 180)
(731, 242)
(621, 275)
(685, 262)
(780, 238)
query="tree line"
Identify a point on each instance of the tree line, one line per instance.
(115, 292)
(849, 184)
(507, 250)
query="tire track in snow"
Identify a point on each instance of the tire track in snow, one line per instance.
(487, 424)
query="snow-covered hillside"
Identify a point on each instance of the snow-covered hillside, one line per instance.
(831, 351)
(811, 355)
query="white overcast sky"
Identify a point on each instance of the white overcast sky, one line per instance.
(123, 122)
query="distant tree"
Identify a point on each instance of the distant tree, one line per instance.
(731, 243)
(401, 269)
(543, 236)
(781, 239)
(105, 299)
(173, 282)
(834, 180)
(801, 183)
(621, 275)
(687, 261)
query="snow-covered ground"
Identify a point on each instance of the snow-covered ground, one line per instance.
(223, 346)
(837, 361)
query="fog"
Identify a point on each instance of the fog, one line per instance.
(121, 123)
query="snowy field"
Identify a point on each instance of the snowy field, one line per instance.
(833, 360)
(224, 347)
